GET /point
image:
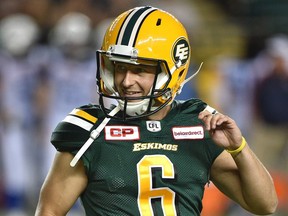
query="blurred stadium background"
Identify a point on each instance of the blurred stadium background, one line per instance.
(47, 46)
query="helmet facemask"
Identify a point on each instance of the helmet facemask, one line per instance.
(158, 97)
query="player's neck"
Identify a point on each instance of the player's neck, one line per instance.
(160, 114)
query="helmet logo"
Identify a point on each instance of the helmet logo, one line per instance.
(181, 51)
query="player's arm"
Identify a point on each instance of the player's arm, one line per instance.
(62, 187)
(242, 177)
(245, 180)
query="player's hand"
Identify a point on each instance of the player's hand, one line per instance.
(222, 129)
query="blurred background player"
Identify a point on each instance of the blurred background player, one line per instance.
(20, 61)
(70, 67)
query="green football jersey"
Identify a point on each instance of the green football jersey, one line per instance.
(142, 167)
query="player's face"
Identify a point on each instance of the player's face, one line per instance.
(134, 80)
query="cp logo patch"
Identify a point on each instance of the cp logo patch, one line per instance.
(118, 132)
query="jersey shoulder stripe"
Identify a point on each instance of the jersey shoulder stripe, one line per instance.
(80, 118)
(84, 115)
(72, 132)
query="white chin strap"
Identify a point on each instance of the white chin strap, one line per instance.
(93, 135)
(134, 108)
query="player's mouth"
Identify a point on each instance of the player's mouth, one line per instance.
(132, 94)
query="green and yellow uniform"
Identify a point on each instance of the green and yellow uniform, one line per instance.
(142, 167)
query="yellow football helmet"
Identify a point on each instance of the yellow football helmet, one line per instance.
(144, 35)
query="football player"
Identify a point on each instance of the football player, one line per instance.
(148, 154)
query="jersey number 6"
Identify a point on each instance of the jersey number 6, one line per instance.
(145, 190)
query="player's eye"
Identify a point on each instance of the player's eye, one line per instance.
(121, 68)
(139, 70)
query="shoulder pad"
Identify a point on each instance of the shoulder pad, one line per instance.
(73, 131)
(191, 106)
